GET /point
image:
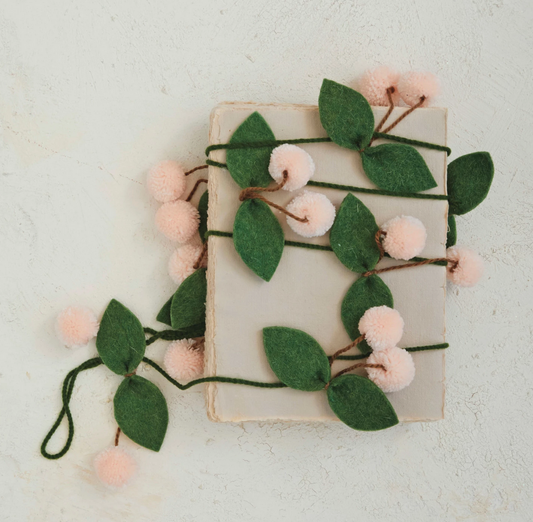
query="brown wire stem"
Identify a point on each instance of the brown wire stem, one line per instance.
(410, 265)
(117, 436)
(404, 115)
(195, 188)
(390, 92)
(345, 349)
(201, 257)
(377, 237)
(196, 168)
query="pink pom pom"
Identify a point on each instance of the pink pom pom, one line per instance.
(399, 369)
(178, 220)
(318, 210)
(465, 267)
(181, 262)
(76, 326)
(405, 237)
(166, 181)
(413, 85)
(115, 467)
(295, 161)
(184, 360)
(382, 327)
(374, 84)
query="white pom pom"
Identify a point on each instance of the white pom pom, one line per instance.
(166, 181)
(115, 467)
(181, 262)
(178, 220)
(184, 361)
(399, 369)
(318, 210)
(295, 161)
(405, 237)
(76, 326)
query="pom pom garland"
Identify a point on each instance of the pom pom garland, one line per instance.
(181, 262)
(183, 360)
(318, 210)
(76, 326)
(298, 164)
(405, 237)
(178, 220)
(115, 467)
(413, 85)
(166, 181)
(374, 84)
(382, 327)
(465, 267)
(399, 369)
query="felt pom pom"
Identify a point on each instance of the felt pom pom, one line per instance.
(76, 326)
(465, 267)
(374, 84)
(166, 181)
(413, 85)
(115, 467)
(405, 237)
(298, 164)
(184, 361)
(382, 327)
(399, 369)
(178, 220)
(318, 210)
(180, 264)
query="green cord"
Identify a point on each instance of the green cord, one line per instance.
(412, 349)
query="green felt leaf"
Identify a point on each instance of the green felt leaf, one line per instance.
(360, 404)
(346, 115)
(164, 314)
(202, 210)
(188, 304)
(397, 167)
(469, 180)
(120, 341)
(451, 235)
(141, 412)
(258, 237)
(353, 235)
(249, 167)
(365, 293)
(296, 358)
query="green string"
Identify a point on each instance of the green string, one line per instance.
(412, 349)
(166, 335)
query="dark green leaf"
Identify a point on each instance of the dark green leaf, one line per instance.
(346, 115)
(353, 236)
(120, 341)
(397, 167)
(469, 180)
(141, 412)
(164, 314)
(296, 358)
(188, 303)
(451, 235)
(258, 237)
(360, 404)
(365, 293)
(249, 167)
(202, 210)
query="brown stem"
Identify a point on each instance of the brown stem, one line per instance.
(408, 265)
(198, 343)
(195, 169)
(404, 115)
(117, 436)
(377, 237)
(201, 257)
(390, 91)
(195, 188)
(345, 349)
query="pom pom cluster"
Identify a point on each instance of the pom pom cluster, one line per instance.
(319, 211)
(293, 160)
(115, 467)
(405, 237)
(166, 181)
(184, 361)
(76, 326)
(382, 327)
(465, 267)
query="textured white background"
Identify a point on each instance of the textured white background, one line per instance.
(91, 95)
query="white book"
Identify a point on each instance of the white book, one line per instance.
(308, 287)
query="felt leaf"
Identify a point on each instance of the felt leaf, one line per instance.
(120, 341)
(188, 304)
(202, 210)
(346, 115)
(249, 167)
(164, 314)
(365, 293)
(397, 167)
(469, 180)
(296, 358)
(360, 404)
(258, 237)
(353, 236)
(141, 412)
(451, 234)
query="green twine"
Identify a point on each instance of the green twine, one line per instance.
(66, 394)
(165, 335)
(416, 143)
(412, 349)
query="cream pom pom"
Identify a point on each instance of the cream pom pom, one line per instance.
(178, 220)
(405, 237)
(115, 467)
(374, 84)
(184, 360)
(76, 326)
(181, 262)
(382, 327)
(465, 267)
(166, 181)
(318, 210)
(293, 160)
(413, 85)
(399, 369)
